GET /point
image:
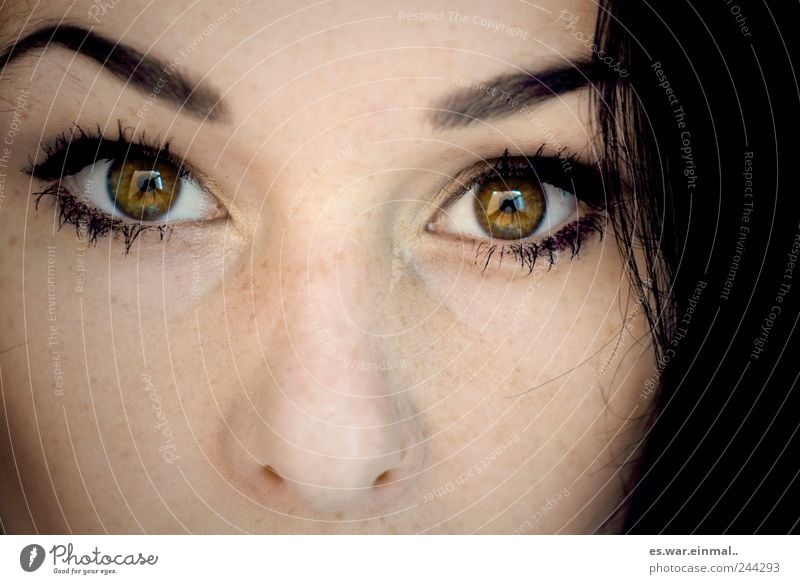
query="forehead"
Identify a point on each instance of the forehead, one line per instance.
(297, 75)
(246, 45)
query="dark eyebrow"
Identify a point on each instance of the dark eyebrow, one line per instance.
(509, 93)
(145, 72)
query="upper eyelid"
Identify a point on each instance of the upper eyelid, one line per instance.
(52, 168)
(465, 179)
(59, 149)
(485, 169)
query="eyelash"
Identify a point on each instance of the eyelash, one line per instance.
(95, 223)
(561, 171)
(570, 237)
(73, 150)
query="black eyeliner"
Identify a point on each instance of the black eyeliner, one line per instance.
(581, 180)
(73, 150)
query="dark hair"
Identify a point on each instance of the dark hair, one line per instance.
(696, 140)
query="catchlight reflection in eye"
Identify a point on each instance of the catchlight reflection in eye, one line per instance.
(509, 211)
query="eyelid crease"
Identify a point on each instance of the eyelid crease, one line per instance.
(74, 149)
(537, 166)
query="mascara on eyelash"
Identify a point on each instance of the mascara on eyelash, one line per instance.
(562, 172)
(571, 237)
(93, 224)
(73, 149)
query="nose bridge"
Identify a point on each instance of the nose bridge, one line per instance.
(332, 393)
(326, 324)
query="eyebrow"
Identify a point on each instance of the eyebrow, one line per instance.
(147, 73)
(509, 93)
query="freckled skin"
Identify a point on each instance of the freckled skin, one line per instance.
(318, 362)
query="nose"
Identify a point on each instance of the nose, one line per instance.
(329, 421)
(339, 453)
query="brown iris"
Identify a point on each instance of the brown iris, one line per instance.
(511, 208)
(143, 189)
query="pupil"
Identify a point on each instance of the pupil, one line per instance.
(509, 213)
(508, 206)
(151, 183)
(513, 201)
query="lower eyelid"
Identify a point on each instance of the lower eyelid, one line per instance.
(571, 237)
(95, 223)
(467, 215)
(193, 200)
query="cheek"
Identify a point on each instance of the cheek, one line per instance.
(106, 376)
(510, 322)
(530, 384)
(507, 373)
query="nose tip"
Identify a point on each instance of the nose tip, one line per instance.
(334, 434)
(331, 484)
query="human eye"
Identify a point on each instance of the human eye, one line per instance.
(524, 207)
(126, 186)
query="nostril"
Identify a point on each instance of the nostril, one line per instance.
(383, 479)
(271, 474)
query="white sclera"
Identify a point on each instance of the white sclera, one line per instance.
(90, 186)
(561, 207)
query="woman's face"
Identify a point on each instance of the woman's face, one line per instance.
(356, 306)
